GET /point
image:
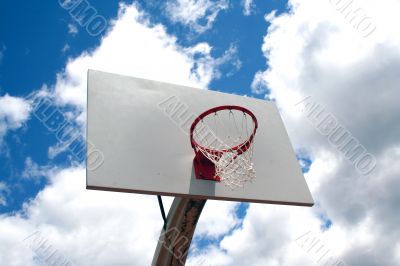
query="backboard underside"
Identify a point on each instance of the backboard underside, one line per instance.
(142, 129)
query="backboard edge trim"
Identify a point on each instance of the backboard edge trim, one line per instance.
(304, 204)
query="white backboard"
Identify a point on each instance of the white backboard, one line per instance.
(147, 149)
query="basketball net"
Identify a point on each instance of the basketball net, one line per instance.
(224, 137)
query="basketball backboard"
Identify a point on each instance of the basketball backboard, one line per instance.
(142, 129)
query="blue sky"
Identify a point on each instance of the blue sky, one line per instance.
(323, 54)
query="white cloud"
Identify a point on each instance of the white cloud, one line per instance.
(3, 191)
(34, 171)
(197, 14)
(258, 85)
(217, 218)
(228, 62)
(72, 29)
(264, 237)
(2, 50)
(88, 227)
(65, 48)
(214, 257)
(14, 112)
(248, 6)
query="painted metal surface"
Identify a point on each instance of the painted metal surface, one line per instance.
(142, 129)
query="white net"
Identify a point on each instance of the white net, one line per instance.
(223, 139)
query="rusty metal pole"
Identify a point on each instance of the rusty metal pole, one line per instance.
(174, 242)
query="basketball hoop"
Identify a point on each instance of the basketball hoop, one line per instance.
(222, 138)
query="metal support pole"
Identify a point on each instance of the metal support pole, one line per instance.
(174, 242)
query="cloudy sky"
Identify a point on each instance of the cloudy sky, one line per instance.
(332, 68)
